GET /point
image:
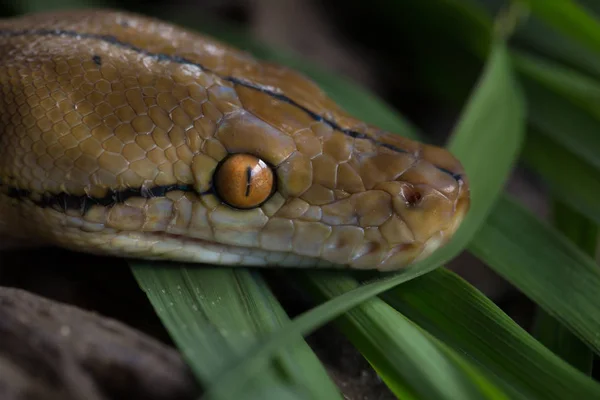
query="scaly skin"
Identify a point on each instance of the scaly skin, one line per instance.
(112, 124)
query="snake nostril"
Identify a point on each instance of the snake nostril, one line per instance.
(412, 196)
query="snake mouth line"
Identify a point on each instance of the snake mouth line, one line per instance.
(64, 201)
(114, 41)
(183, 248)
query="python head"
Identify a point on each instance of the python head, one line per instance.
(128, 136)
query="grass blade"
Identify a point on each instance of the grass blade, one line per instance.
(550, 332)
(556, 337)
(572, 180)
(545, 266)
(569, 83)
(577, 228)
(233, 382)
(569, 18)
(216, 315)
(493, 122)
(537, 37)
(458, 314)
(564, 106)
(400, 350)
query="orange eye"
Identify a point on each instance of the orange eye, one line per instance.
(243, 181)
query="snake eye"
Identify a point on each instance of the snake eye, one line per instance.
(243, 181)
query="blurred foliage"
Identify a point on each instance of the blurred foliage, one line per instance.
(523, 83)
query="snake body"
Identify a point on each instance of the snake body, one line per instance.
(113, 127)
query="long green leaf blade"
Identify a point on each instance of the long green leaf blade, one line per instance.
(563, 106)
(489, 135)
(458, 314)
(577, 228)
(401, 351)
(571, 180)
(571, 19)
(550, 332)
(538, 38)
(545, 266)
(216, 315)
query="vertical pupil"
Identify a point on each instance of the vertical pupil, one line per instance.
(248, 179)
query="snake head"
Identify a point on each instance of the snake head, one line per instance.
(341, 197)
(426, 204)
(128, 136)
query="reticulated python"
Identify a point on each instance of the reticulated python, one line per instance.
(124, 135)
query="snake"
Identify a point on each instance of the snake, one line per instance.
(128, 136)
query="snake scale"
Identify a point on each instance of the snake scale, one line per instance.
(124, 135)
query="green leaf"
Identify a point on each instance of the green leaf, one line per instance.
(544, 265)
(400, 351)
(489, 135)
(449, 308)
(569, 178)
(234, 381)
(550, 332)
(569, 18)
(215, 315)
(569, 83)
(556, 337)
(591, 5)
(563, 105)
(538, 38)
(580, 230)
